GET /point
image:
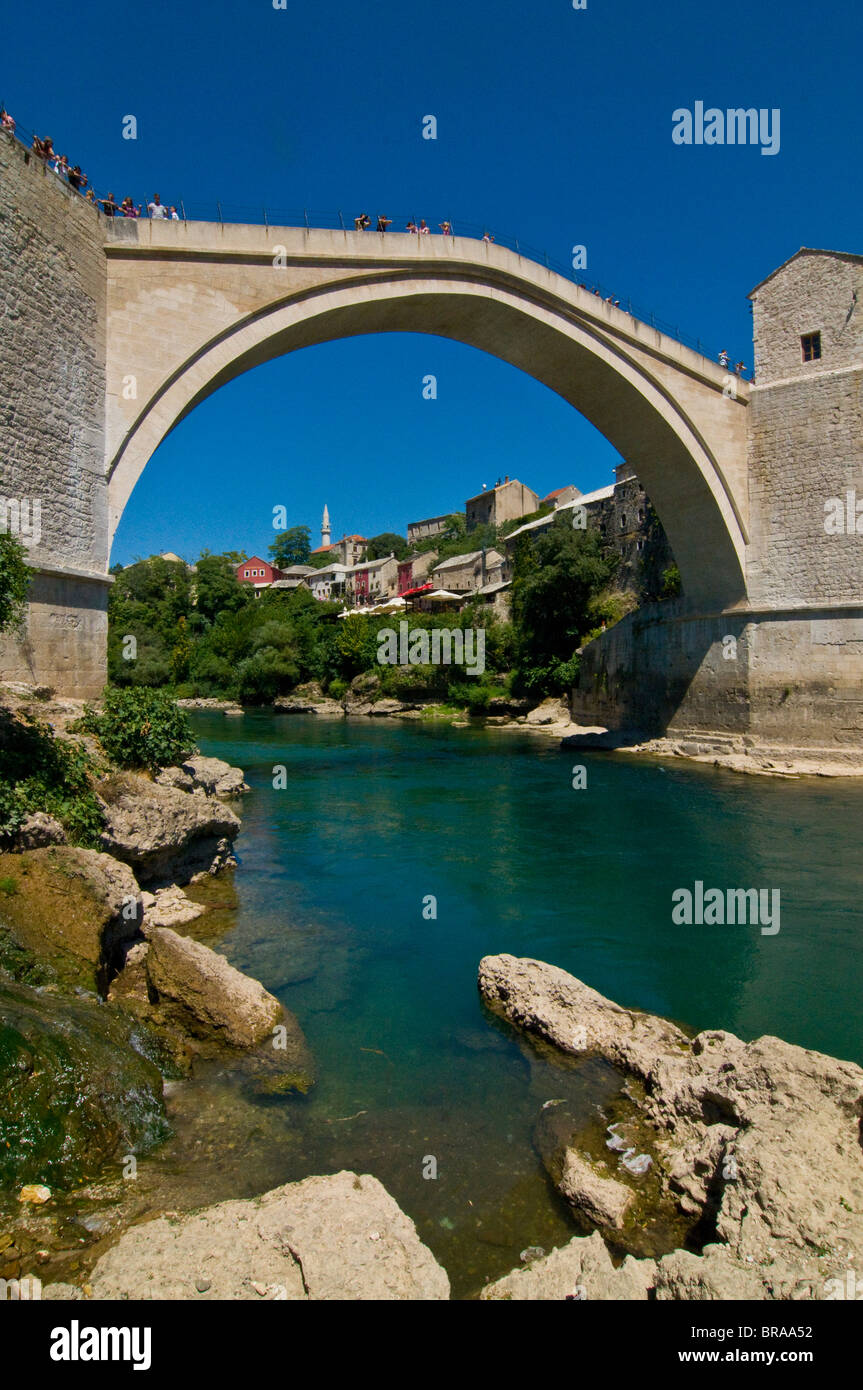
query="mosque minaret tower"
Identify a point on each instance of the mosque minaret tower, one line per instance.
(325, 527)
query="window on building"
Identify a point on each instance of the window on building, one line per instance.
(811, 346)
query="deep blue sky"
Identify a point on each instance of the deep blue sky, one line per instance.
(554, 126)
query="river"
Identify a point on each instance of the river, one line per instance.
(334, 914)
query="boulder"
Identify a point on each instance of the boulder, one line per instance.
(761, 1140)
(603, 1200)
(580, 1271)
(553, 1005)
(72, 909)
(551, 711)
(169, 907)
(168, 836)
(340, 1237)
(208, 989)
(39, 830)
(212, 776)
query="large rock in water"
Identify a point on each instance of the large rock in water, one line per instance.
(166, 835)
(761, 1139)
(338, 1237)
(209, 989)
(72, 911)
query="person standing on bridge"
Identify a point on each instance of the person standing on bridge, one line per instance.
(362, 222)
(128, 208)
(157, 210)
(7, 122)
(724, 359)
(424, 227)
(109, 206)
(446, 228)
(411, 226)
(77, 179)
(384, 222)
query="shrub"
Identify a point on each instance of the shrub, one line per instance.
(44, 773)
(14, 582)
(140, 728)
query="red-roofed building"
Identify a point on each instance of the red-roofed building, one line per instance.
(258, 572)
(560, 497)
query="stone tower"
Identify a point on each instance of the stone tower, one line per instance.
(325, 527)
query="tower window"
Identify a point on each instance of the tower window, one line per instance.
(811, 345)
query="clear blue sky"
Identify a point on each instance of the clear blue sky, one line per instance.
(554, 125)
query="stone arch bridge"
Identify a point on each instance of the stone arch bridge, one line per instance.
(116, 330)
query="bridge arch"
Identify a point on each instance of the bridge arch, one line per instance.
(659, 404)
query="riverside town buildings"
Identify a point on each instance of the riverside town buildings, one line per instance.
(620, 512)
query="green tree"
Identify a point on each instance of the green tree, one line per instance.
(217, 588)
(555, 579)
(387, 543)
(291, 547)
(14, 582)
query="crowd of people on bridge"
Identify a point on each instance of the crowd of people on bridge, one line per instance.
(43, 148)
(363, 222)
(72, 174)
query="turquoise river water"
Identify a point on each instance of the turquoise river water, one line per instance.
(377, 815)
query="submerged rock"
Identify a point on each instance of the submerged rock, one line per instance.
(338, 1237)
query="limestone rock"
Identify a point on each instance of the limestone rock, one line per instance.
(762, 1139)
(209, 989)
(557, 1007)
(169, 907)
(213, 776)
(601, 1199)
(551, 711)
(581, 1270)
(168, 836)
(304, 704)
(340, 1237)
(74, 909)
(38, 830)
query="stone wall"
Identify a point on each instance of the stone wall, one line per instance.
(806, 433)
(779, 677)
(52, 347)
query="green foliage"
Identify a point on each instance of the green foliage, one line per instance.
(671, 584)
(140, 729)
(43, 773)
(291, 547)
(556, 578)
(387, 543)
(14, 582)
(217, 589)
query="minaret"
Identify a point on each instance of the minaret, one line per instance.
(325, 527)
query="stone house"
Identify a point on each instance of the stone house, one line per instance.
(465, 574)
(507, 501)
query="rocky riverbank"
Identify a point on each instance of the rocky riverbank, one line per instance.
(758, 1146)
(552, 718)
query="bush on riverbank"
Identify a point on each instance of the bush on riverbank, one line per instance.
(44, 773)
(141, 729)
